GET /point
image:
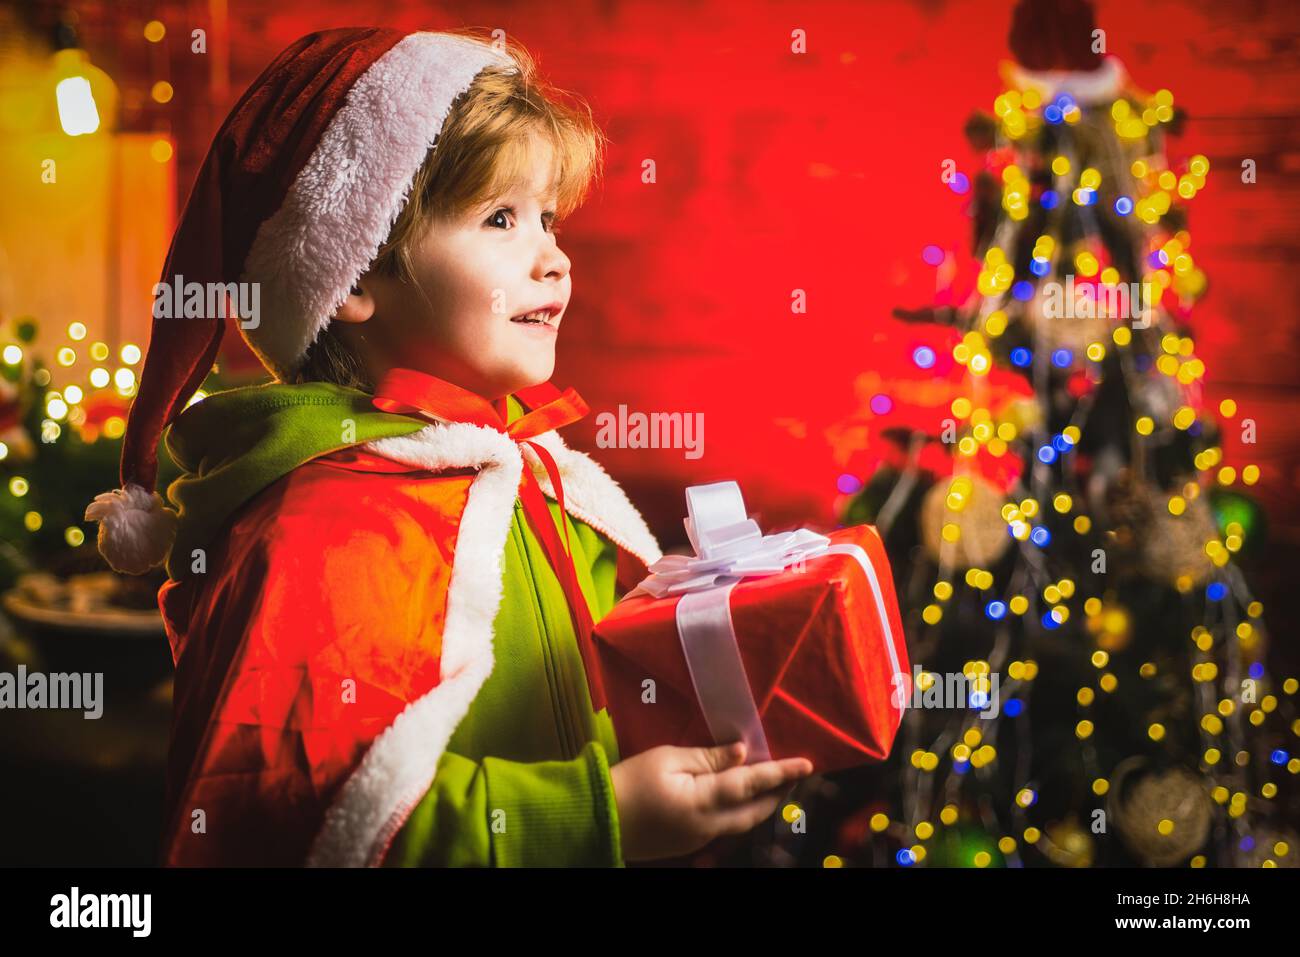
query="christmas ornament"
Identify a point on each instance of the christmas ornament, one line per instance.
(964, 845)
(1057, 330)
(1236, 513)
(1173, 547)
(1159, 534)
(1161, 814)
(980, 537)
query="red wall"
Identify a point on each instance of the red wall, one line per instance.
(821, 172)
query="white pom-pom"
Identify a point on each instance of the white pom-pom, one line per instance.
(136, 529)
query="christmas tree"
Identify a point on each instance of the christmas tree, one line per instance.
(1066, 533)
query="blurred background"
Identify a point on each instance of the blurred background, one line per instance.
(776, 172)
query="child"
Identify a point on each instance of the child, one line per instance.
(383, 566)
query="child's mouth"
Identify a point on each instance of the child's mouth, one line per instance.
(542, 318)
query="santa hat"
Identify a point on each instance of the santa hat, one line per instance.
(1053, 42)
(300, 189)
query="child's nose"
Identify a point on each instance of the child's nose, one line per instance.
(552, 263)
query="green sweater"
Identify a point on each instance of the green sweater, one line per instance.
(525, 777)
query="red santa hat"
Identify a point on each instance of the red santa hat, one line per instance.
(1054, 43)
(297, 194)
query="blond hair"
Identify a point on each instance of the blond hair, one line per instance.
(483, 149)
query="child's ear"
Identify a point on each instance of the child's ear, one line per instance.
(358, 307)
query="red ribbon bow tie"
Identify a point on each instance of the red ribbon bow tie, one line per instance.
(407, 392)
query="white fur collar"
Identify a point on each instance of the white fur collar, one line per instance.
(398, 768)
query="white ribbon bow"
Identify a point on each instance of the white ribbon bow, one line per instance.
(728, 544)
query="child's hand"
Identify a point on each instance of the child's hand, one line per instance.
(672, 801)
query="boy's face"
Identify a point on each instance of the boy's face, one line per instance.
(479, 272)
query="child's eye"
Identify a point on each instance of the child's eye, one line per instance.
(548, 219)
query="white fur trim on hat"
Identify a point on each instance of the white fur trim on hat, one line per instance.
(136, 529)
(1087, 87)
(341, 207)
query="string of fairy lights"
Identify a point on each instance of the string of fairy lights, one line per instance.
(1228, 645)
(67, 407)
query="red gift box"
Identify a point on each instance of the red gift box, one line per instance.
(819, 648)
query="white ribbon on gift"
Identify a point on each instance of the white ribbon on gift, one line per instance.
(729, 547)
